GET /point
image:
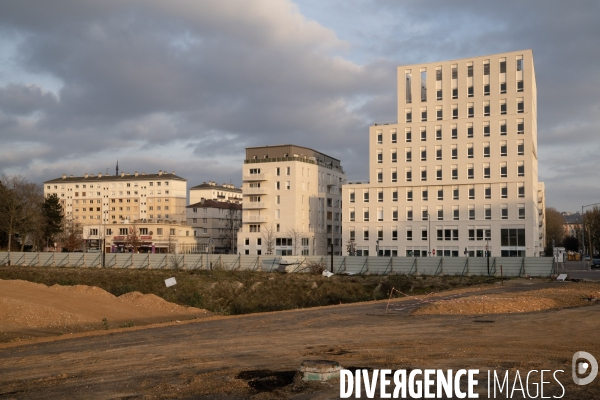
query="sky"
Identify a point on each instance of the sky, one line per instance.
(186, 85)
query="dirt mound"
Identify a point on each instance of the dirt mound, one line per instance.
(535, 300)
(30, 310)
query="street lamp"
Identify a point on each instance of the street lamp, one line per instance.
(583, 229)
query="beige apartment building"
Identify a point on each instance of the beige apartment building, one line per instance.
(107, 206)
(292, 202)
(215, 225)
(458, 172)
(211, 191)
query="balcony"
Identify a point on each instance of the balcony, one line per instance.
(253, 219)
(255, 191)
(255, 205)
(254, 177)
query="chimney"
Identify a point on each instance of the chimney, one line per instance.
(122, 174)
(160, 172)
(173, 172)
(136, 173)
(64, 176)
(85, 175)
(99, 175)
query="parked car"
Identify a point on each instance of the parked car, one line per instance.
(586, 257)
(595, 263)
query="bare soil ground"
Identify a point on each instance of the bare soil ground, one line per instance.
(29, 310)
(257, 355)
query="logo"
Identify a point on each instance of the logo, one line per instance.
(582, 367)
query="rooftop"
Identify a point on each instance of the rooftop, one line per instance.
(123, 176)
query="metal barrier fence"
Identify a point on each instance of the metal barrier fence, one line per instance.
(511, 266)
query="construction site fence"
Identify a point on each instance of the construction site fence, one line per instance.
(494, 266)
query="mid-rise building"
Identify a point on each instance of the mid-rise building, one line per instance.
(292, 202)
(150, 202)
(458, 172)
(211, 191)
(215, 225)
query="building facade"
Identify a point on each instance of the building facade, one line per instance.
(211, 191)
(107, 206)
(215, 225)
(292, 202)
(458, 173)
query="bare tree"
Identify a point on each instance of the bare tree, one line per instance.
(296, 236)
(591, 220)
(72, 235)
(268, 238)
(233, 222)
(555, 222)
(133, 240)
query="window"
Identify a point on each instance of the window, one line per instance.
(454, 93)
(365, 214)
(455, 213)
(440, 193)
(438, 173)
(379, 137)
(486, 68)
(423, 114)
(470, 110)
(471, 212)
(454, 151)
(408, 115)
(521, 190)
(424, 214)
(423, 153)
(287, 185)
(438, 133)
(380, 195)
(503, 148)
(423, 174)
(519, 64)
(486, 108)
(470, 91)
(352, 196)
(487, 190)
(379, 157)
(424, 194)
(440, 213)
(470, 130)
(288, 170)
(520, 127)
(423, 85)
(379, 214)
(409, 213)
(394, 175)
(503, 128)
(277, 185)
(504, 208)
(503, 170)
(520, 168)
(394, 213)
(408, 135)
(454, 131)
(365, 233)
(486, 89)
(520, 86)
(486, 149)
(486, 170)
(486, 129)
(471, 192)
(408, 79)
(454, 71)
(502, 87)
(423, 235)
(438, 152)
(521, 208)
(470, 150)
(409, 234)
(513, 238)
(394, 136)
(379, 175)
(487, 209)
(394, 156)
(438, 113)
(352, 233)
(394, 233)
(455, 111)
(395, 195)
(408, 174)
(366, 196)
(409, 194)
(503, 107)
(352, 215)
(408, 152)
(520, 106)
(454, 192)
(454, 170)
(423, 134)
(503, 191)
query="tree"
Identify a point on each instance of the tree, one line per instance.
(233, 222)
(350, 248)
(591, 222)
(571, 243)
(133, 240)
(296, 236)
(19, 207)
(554, 228)
(52, 213)
(72, 235)
(268, 239)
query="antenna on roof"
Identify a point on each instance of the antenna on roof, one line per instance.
(117, 167)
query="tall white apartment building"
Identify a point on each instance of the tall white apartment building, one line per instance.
(106, 206)
(458, 172)
(292, 202)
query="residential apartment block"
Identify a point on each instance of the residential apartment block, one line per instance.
(153, 203)
(211, 191)
(458, 172)
(292, 202)
(215, 225)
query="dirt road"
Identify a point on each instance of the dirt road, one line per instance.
(256, 355)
